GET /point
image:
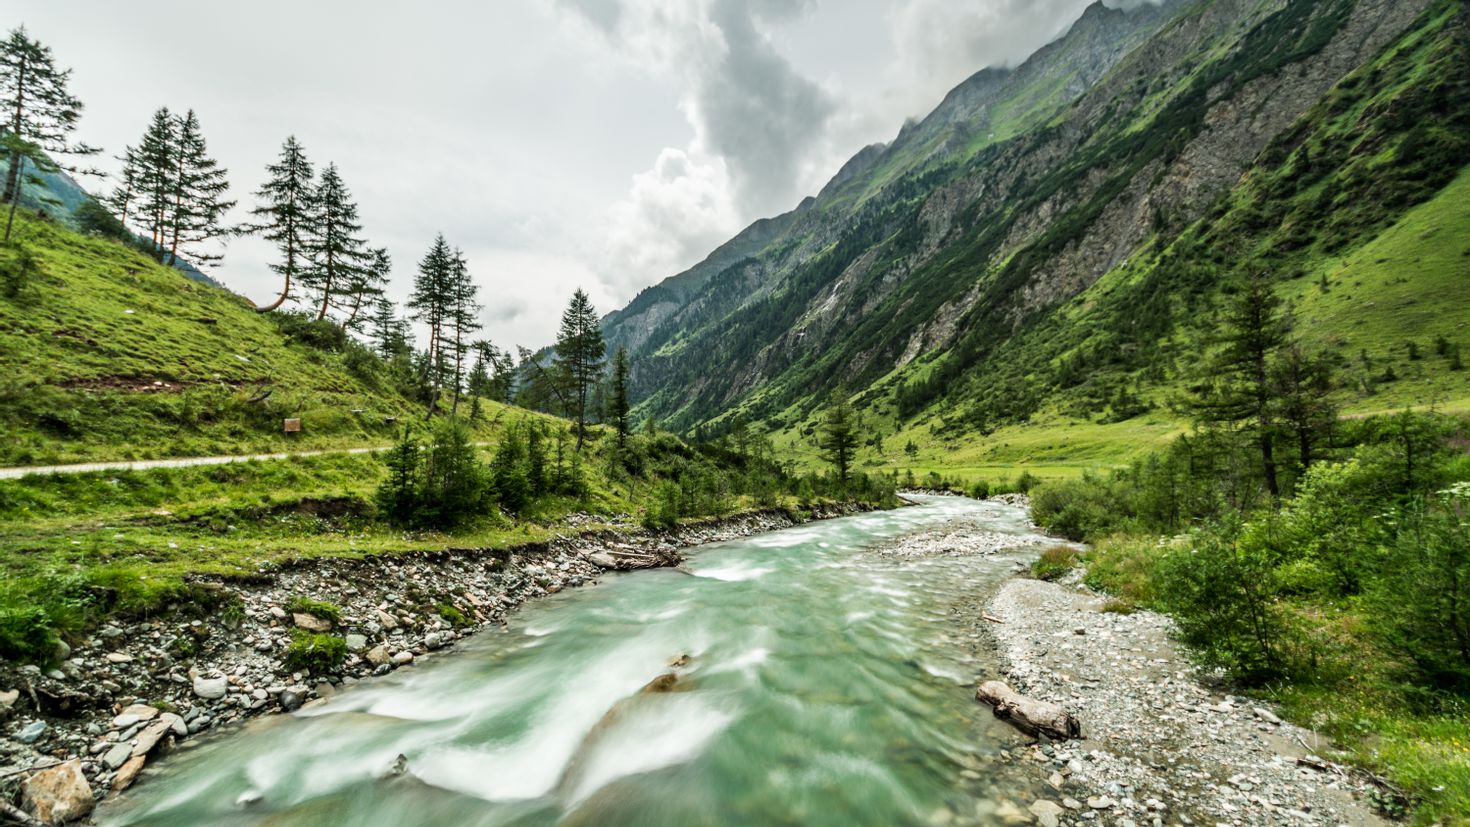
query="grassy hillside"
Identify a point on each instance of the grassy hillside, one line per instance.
(105, 354)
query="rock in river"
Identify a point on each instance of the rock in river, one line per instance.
(58, 794)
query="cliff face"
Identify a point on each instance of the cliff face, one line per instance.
(1013, 198)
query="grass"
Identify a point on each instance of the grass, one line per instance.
(319, 609)
(1055, 562)
(107, 355)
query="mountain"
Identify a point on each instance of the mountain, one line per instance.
(1050, 243)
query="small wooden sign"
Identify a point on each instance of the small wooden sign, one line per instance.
(292, 426)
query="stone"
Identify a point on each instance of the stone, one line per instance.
(356, 643)
(387, 621)
(143, 711)
(211, 689)
(31, 732)
(1100, 802)
(150, 736)
(310, 622)
(291, 700)
(175, 723)
(124, 721)
(1266, 715)
(8, 698)
(403, 658)
(1048, 813)
(377, 656)
(128, 773)
(58, 794)
(434, 640)
(278, 613)
(117, 755)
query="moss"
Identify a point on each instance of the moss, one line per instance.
(316, 653)
(316, 608)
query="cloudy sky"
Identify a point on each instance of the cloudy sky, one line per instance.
(606, 144)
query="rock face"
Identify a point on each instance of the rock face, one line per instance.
(58, 794)
(1029, 715)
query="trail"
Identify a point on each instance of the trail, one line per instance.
(18, 471)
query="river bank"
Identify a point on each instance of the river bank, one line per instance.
(87, 728)
(1162, 743)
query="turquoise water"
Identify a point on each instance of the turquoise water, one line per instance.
(826, 683)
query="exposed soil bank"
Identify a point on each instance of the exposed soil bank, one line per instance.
(130, 690)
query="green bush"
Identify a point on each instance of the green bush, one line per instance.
(316, 608)
(1421, 604)
(980, 490)
(315, 653)
(1054, 562)
(442, 486)
(452, 614)
(25, 634)
(1076, 509)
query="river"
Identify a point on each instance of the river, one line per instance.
(827, 683)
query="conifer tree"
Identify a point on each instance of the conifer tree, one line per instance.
(335, 249)
(464, 315)
(618, 402)
(157, 167)
(365, 286)
(199, 203)
(283, 217)
(429, 302)
(1240, 395)
(40, 115)
(389, 334)
(579, 356)
(121, 199)
(839, 435)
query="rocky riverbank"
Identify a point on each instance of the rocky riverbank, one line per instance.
(1160, 744)
(123, 695)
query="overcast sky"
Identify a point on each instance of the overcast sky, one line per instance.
(606, 144)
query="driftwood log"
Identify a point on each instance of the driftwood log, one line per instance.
(1029, 715)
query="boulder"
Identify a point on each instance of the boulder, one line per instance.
(211, 689)
(150, 736)
(356, 643)
(378, 655)
(58, 794)
(1029, 715)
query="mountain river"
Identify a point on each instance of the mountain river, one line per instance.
(820, 680)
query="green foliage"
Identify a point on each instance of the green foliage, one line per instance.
(319, 654)
(839, 435)
(442, 485)
(26, 634)
(451, 613)
(1055, 562)
(1076, 509)
(316, 608)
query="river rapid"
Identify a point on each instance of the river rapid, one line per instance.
(819, 680)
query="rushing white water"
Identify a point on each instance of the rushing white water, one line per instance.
(825, 684)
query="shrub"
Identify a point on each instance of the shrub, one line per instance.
(1077, 509)
(1054, 562)
(25, 634)
(1025, 482)
(316, 608)
(980, 490)
(1125, 567)
(1114, 606)
(315, 653)
(452, 614)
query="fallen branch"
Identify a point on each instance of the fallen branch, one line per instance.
(17, 816)
(992, 618)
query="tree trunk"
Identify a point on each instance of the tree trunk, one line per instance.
(14, 202)
(1031, 716)
(12, 176)
(280, 300)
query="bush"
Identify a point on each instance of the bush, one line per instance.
(25, 634)
(452, 614)
(980, 490)
(1025, 482)
(1054, 562)
(441, 487)
(315, 653)
(316, 608)
(303, 327)
(1077, 509)
(1421, 604)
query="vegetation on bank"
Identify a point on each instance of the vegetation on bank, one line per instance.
(1320, 561)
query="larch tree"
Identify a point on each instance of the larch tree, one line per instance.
(618, 405)
(580, 350)
(335, 249)
(199, 203)
(282, 215)
(40, 115)
(1240, 394)
(838, 438)
(464, 317)
(429, 303)
(364, 287)
(120, 201)
(157, 167)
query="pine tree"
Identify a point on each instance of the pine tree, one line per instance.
(430, 300)
(199, 204)
(365, 286)
(618, 403)
(389, 334)
(464, 317)
(121, 199)
(335, 249)
(42, 114)
(282, 214)
(1301, 385)
(579, 354)
(838, 441)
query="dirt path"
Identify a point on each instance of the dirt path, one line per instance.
(18, 471)
(1161, 747)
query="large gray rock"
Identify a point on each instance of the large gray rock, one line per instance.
(211, 689)
(58, 794)
(117, 756)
